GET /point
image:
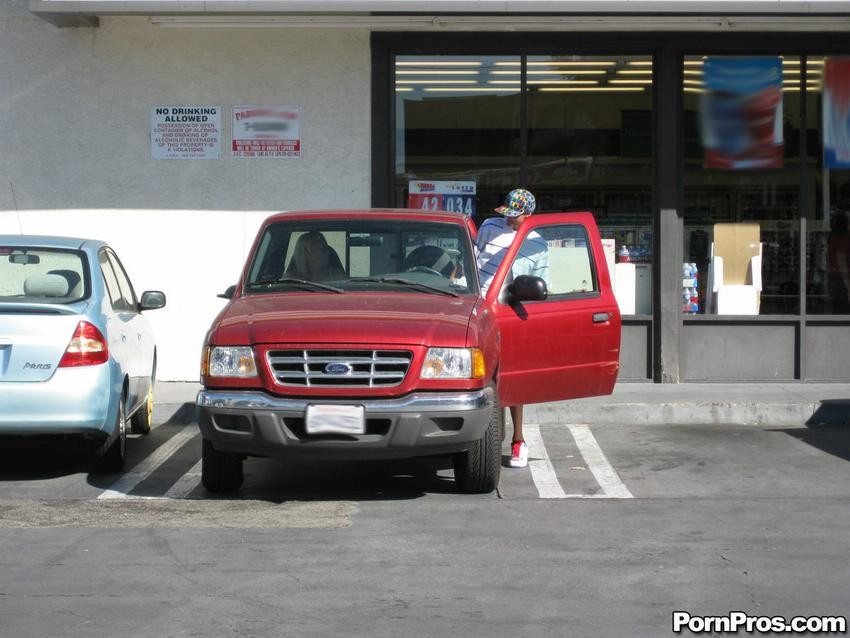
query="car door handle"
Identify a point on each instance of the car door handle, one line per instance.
(601, 317)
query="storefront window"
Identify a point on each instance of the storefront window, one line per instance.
(828, 185)
(741, 185)
(590, 148)
(457, 131)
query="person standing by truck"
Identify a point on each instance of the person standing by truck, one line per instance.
(494, 238)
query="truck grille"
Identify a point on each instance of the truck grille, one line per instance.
(339, 368)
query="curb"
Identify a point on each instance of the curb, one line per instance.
(820, 413)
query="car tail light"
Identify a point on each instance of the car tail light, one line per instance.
(87, 347)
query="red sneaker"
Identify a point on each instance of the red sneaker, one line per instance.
(519, 454)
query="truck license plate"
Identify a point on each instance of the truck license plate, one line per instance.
(335, 419)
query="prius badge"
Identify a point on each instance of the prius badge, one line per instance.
(338, 369)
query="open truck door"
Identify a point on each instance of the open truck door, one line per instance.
(560, 338)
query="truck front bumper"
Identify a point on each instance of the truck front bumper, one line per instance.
(420, 424)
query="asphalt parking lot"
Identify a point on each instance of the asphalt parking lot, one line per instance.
(607, 532)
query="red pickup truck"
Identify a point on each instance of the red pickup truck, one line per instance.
(363, 334)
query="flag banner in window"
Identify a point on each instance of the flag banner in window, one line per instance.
(836, 113)
(741, 113)
(432, 194)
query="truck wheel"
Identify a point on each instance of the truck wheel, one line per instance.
(220, 471)
(477, 469)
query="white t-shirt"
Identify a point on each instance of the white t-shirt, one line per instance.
(494, 239)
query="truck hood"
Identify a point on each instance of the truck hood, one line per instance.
(367, 318)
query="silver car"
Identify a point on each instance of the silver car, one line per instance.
(77, 356)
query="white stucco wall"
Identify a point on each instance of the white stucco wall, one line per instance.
(75, 148)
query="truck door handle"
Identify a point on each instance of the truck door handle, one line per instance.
(601, 317)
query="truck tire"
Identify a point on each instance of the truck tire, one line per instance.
(220, 471)
(477, 469)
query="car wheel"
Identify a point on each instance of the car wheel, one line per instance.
(477, 470)
(140, 422)
(113, 458)
(220, 471)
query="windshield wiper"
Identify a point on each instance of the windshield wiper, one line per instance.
(407, 282)
(310, 285)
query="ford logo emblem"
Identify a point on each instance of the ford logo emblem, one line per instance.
(338, 369)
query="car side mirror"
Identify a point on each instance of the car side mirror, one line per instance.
(228, 293)
(152, 300)
(527, 288)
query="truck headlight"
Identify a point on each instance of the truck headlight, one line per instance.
(228, 361)
(453, 363)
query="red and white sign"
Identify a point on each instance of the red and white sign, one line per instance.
(442, 195)
(266, 131)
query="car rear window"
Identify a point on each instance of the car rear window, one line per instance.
(42, 275)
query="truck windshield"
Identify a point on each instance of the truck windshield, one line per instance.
(363, 255)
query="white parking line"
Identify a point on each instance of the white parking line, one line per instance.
(123, 486)
(603, 472)
(188, 482)
(542, 472)
(546, 480)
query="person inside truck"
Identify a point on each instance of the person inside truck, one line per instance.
(314, 260)
(494, 238)
(431, 258)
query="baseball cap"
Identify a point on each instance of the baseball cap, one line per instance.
(518, 202)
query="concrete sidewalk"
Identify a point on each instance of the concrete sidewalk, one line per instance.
(779, 404)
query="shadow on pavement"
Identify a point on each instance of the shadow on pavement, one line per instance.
(831, 412)
(277, 481)
(832, 439)
(174, 414)
(35, 458)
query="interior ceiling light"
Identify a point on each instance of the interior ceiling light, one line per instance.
(463, 89)
(556, 63)
(434, 72)
(570, 72)
(634, 72)
(596, 89)
(693, 82)
(645, 82)
(559, 82)
(435, 80)
(435, 63)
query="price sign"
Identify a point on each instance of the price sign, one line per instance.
(458, 197)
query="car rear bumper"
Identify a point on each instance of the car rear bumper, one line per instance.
(73, 401)
(419, 424)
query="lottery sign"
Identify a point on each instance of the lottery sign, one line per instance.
(442, 195)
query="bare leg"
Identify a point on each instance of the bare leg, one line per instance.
(516, 418)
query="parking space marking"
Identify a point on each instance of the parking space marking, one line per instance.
(602, 470)
(542, 472)
(123, 486)
(186, 483)
(545, 477)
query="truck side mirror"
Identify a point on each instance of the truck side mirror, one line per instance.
(228, 293)
(527, 288)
